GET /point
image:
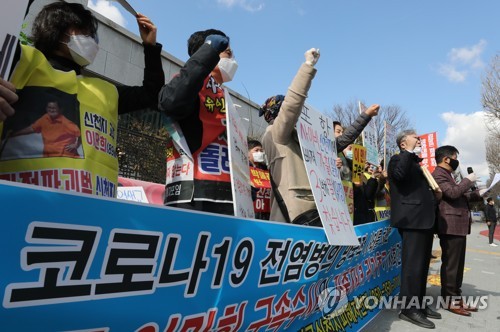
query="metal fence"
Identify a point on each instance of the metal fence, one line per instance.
(141, 156)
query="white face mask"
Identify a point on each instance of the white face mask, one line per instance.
(417, 150)
(83, 49)
(258, 157)
(227, 67)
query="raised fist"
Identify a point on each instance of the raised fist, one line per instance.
(312, 56)
(218, 42)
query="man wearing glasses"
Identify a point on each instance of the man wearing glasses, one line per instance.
(413, 208)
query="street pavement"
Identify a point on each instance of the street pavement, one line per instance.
(481, 277)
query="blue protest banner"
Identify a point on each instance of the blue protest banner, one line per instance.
(73, 262)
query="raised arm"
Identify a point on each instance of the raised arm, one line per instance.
(295, 98)
(354, 130)
(134, 98)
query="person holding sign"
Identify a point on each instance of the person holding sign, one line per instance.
(454, 222)
(259, 176)
(65, 40)
(293, 199)
(413, 213)
(198, 173)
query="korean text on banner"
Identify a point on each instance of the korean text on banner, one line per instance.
(370, 139)
(239, 164)
(135, 267)
(317, 142)
(10, 27)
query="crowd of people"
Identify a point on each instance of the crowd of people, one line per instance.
(65, 41)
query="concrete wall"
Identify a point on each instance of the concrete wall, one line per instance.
(121, 60)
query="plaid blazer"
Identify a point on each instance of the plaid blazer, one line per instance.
(454, 214)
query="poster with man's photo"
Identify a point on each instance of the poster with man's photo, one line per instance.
(46, 124)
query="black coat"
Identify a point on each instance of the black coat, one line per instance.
(489, 213)
(413, 205)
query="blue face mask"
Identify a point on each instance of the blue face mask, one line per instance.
(348, 154)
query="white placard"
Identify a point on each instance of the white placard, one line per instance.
(238, 158)
(370, 138)
(135, 194)
(13, 12)
(319, 151)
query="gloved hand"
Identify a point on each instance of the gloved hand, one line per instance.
(218, 42)
(482, 192)
(472, 177)
(312, 56)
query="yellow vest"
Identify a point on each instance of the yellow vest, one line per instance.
(90, 103)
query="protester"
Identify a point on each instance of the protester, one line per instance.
(259, 177)
(196, 100)
(454, 222)
(490, 215)
(292, 199)
(65, 40)
(413, 209)
(364, 191)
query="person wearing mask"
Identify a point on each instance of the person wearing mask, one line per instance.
(490, 215)
(259, 177)
(65, 41)
(454, 222)
(292, 199)
(413, 213)
(195, 101)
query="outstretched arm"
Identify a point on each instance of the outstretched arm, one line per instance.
(295, 98)
(135, 98)
(354, 130)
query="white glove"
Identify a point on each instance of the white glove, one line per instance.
(472, 177)
(312, 56)
(482, 191)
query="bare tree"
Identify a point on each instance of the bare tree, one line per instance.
(490, 96)
(394, 115)
(493, 154)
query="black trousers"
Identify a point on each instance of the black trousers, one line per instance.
(491, 231)
(453, 262)
(415, 259)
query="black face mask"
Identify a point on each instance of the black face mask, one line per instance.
(453, 164)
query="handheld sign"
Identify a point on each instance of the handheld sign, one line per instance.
(239, 165)
(319, 152)
(370, 138)
(126, 6)
(10, 26)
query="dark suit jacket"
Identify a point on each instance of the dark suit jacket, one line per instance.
(412, 200)
(454, 214)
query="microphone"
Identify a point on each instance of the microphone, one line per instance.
(469, 171)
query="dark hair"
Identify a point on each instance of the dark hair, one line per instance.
(336, 123)
(253, 143)
(445, 151)
(55, 19)
(198, 38)
(489, 199)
